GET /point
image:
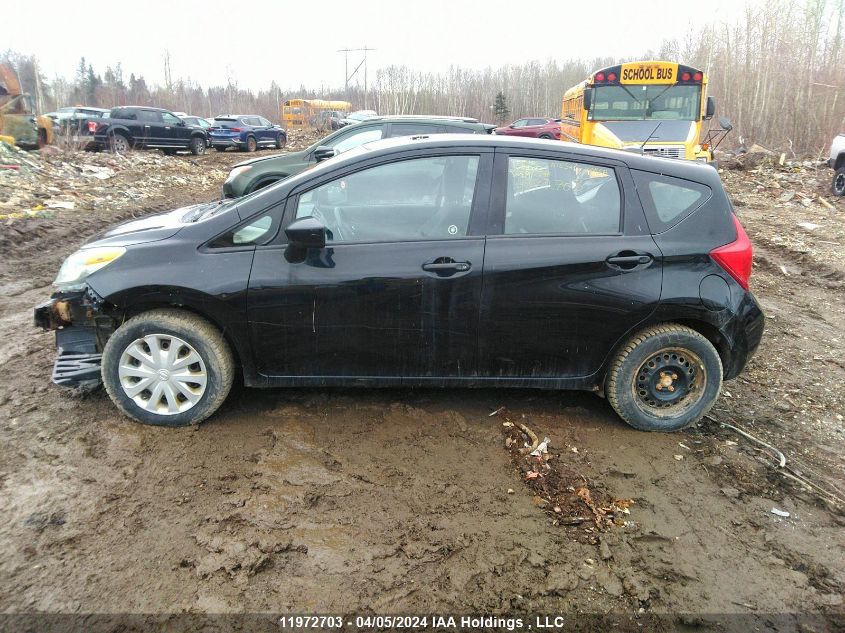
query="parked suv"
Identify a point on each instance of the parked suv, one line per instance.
(448, 261)
(137, 127)
(837, 163)
(252, 175)
(247, 132)
(532, 127)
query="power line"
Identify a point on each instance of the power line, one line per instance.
(349, 76)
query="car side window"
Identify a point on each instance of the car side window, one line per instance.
(255, 231)
(414, 199)
(264, 122)
(546, 196)
(150, 116)
(358, 138)
(170, 119)
(520, 123)
(412, 129)
(667, 200)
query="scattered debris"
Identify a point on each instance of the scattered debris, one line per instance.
(780, 513)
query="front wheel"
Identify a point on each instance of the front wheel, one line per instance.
(838, 186)
(167, 368)
(665, 378)
(281, 141)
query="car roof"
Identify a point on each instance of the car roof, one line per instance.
(688, 169)
(422, 117)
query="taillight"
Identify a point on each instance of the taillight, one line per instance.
(235, 129)
(735, 257)
(92, 127)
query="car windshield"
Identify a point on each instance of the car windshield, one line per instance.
(643, 102)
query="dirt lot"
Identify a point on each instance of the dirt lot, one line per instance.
(407, 501)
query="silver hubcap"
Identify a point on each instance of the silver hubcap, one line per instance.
(120, 144)
(162, 374)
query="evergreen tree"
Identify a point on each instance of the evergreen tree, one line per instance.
(500, 108)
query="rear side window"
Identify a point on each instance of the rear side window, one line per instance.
(668, 200)
(411, 129)
(121, 113)
(546, 196)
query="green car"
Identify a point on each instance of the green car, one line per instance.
(252, 175)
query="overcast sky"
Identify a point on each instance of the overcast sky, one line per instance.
(296, 43)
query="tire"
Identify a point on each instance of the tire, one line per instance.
(665, 378)
(545, 136)
(251, 144)
(220, 148)
(281, 141)
(123, 372)
(838, 185)
(197, 146)
(119, 144)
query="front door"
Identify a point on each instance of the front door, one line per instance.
(395, 293)
(569, 272)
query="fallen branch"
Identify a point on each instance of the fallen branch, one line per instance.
(535, 441)
(781, 457)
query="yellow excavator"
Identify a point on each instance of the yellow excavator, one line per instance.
(19, 125)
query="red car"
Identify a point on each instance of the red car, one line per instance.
(536, 128)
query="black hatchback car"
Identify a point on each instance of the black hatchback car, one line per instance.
(443, 261)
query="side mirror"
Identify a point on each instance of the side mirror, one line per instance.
(323, 152)
(725, 123)
(710, 108)
(511, 126)
(588, 99)
(306, 232)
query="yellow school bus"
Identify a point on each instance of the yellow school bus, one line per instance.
(653, 106)
(310, 112)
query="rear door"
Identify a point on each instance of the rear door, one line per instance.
(569, 268)
(396, 292)
(153, 123)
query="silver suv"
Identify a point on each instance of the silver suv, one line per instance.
(837, 163)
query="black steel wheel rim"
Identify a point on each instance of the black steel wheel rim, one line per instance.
(839, 184)
(669, 381)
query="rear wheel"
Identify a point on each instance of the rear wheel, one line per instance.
(281, 141)
(251, 144)
(664, 378)
(546, 136)
(838, 186)
(167, 368)
(119, 144)
(197, 145)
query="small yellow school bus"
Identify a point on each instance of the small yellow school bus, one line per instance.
(656, 107)
(308, 112)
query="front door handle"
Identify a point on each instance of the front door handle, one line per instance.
(441, 267)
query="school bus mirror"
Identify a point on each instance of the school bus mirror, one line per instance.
(588, 98)
(725, 122)
(710, 108)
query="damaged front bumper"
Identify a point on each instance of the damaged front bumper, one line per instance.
(81, 331)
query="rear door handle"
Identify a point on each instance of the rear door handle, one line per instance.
(629, 260)
(439, 267)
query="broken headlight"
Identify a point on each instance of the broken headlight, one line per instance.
(82, 263)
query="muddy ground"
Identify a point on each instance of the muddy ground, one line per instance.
(407, 501)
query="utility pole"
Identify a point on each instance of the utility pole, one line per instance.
(349, 76)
